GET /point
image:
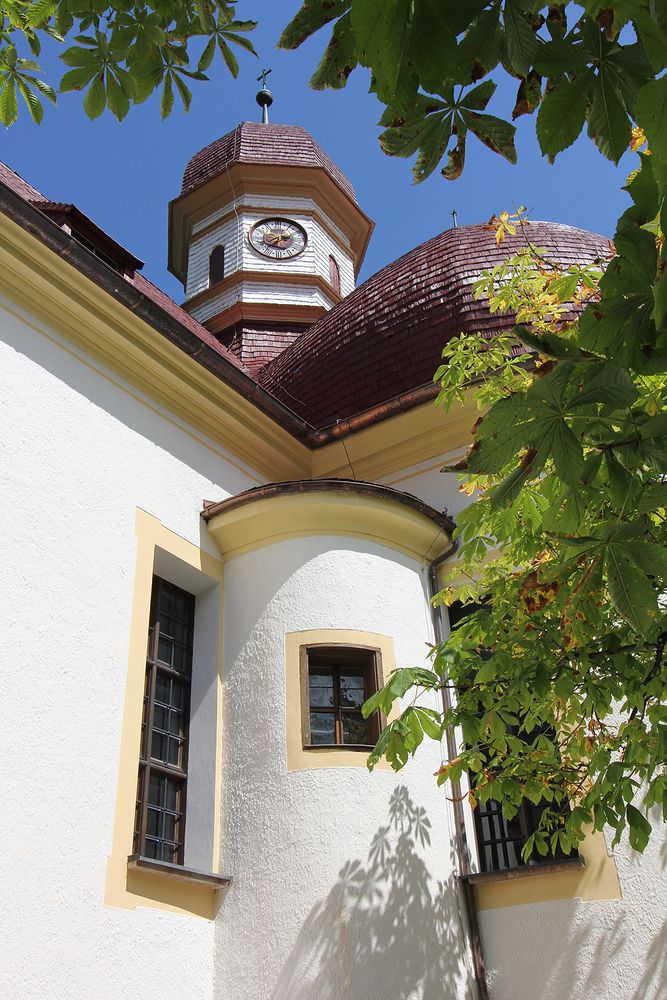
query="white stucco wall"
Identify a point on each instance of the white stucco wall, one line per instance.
(262, 292)
(569, 949)
(313, 912)
(325, 910)
(78, 456)
(439, 489)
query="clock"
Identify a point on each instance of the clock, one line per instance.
(278, 239)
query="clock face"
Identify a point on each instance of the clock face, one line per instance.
(278, 239)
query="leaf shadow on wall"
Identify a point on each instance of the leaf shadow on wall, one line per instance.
(386, 930)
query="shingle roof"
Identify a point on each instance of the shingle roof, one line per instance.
(252, 142)
(20, 187)
(386, 337)
(28, 193)
(379, 345)
(162, 300)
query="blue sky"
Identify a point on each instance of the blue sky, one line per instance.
(123, 175)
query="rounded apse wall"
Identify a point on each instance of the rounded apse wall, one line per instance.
(343, 884)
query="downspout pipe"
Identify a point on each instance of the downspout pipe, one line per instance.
(462, 852)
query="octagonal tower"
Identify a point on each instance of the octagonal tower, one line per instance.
(266, 237)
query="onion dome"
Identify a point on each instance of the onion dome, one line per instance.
(254, 142)
(386, 338)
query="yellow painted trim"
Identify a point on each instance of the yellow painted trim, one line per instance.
(297, 515)
(122, 386)
(597, 880)
(129, 889)
(61, 299)
(299, 759)
(400, 442)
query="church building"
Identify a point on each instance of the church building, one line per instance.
(223, 524)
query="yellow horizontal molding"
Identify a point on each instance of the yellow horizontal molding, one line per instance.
(60, 298)
(400, 442)
(276, 518)
(596, 880)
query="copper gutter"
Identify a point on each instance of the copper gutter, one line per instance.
(382, 411)
(352, 486)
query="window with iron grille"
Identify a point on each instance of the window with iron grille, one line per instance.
(500, 840)
(335, 682)
(162, 783)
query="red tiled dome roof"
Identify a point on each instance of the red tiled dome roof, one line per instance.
(252, 142)
(386, 338)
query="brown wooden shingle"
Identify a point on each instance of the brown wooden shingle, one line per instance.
(252, 142)
(386, 338)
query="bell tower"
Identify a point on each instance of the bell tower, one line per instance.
(266, 236)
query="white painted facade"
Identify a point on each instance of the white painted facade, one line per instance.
(285, 294)
(230, 225)
(336, 922)
(82, 451)
(302, 846)
(567, 948)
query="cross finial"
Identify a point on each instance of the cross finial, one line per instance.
(264, 97)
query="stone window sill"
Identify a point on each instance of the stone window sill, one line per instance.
(526, 871)
(179, 873)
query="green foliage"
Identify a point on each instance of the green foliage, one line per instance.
(575, 65)
(569, 461)
(569, 467)
(121, 53)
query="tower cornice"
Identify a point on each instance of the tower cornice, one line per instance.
(241, 179)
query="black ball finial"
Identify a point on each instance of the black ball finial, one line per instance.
(264, 97)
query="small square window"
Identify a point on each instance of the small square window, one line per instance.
(335, 682)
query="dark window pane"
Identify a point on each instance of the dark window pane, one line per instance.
(169, 828)
(352, 689)
(152, 850)
(162, 688)
(158, 746)
(171, 793)
(216, 266)
(322, 690)
(164, 648)
(179, 658)
(322, 728)
(165, 724)
(153, 817)
(355, 728)
(321, 680)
